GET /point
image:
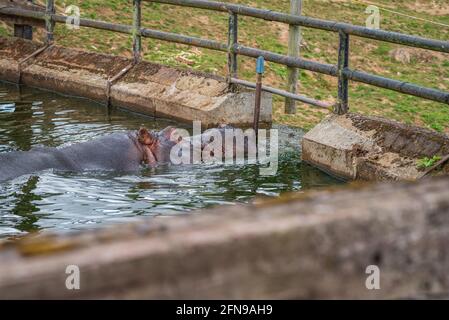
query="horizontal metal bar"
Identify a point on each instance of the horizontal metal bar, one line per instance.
(399, 86)
(388, 36)
(287, 60)
(283, 93)
(328, 69)
(182, 39)
(120, 28)
(148, 33)
(62, 19)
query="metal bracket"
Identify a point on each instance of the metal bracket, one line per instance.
(110, 82)
(29, 57)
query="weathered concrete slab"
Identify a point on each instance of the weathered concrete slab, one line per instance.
(11, 52)
(147, 88)
(204, 98)
(74, 72)
(313, 245)
(354, 146)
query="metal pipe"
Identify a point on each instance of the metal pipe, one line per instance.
(232, 41)
(260, 68)
(288, 61)
(191, 41)
(399, 86)
(283, 93)
(114, 79)
(101, 25)
(342, 105)
(388, 36)
(294, 46)
(62, 19)
(137, 38)
(49, 22)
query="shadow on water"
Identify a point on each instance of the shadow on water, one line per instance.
(19, 121)
(62, 201)
(25, 208)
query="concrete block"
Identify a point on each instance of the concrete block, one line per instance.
(11, 52)
(354, 146)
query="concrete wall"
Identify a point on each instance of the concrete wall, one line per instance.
(355, 146)
(147, 88)
(313, 245)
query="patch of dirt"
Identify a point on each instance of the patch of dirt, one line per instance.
(17, 49)
(141, 72)
(403, 139)
(407, 55)
(106, 12)
(69, 59)
(282, 31)
(204, 20)
(431, 7)
(394, 165)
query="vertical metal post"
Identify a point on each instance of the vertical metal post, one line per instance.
(294, 45)
(232, 41)
(342, 106)
(49, 22)
(23, 31)
(260, 68)
(137, 38)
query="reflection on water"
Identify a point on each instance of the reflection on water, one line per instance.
(67, 201)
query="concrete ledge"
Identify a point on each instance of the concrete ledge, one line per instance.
(73, 72)
(354, 146)
(11, 52)
(313, 245)
(147, 88)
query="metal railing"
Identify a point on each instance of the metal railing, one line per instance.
(233, 48)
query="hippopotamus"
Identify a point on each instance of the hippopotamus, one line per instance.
(123, 152)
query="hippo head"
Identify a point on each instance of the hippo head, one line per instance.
(156, 145)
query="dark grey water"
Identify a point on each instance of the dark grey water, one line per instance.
(68, 201)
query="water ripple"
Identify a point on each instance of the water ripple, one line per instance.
(70, 201)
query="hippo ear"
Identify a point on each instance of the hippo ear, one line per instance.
(167, 132)
(145, 137)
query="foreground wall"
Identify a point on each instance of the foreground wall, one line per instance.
(147, 88)
(313, 245)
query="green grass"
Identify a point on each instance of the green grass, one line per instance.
(426, 162)
(426, 68)
(3, 31)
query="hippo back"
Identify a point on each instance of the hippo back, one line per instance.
(115, 152)
(17, 163)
